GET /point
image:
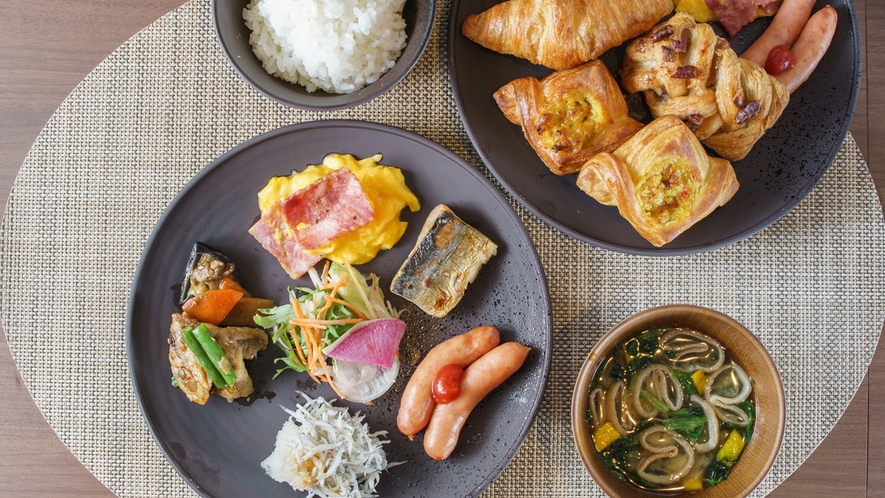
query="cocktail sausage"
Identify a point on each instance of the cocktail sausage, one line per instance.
(416, 405)
(783, 30)
(480, 378)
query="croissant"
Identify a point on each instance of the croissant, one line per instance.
(569, 116)
(685, 69)
(561, 34)
(661, 180)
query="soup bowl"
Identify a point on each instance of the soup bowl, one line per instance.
(744, 349)
(233, 36)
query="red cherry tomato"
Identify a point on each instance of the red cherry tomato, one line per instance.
(447, 384)
(780, 58)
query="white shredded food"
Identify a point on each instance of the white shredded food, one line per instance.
(338, 46)
(327, 451)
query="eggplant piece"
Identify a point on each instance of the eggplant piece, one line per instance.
(205, 270)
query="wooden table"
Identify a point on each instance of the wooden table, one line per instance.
(47, 48)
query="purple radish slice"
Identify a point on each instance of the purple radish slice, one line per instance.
(372, 342)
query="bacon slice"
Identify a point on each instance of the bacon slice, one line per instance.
(332, 206)
(273, 233)
(735, 14)
(312, 218)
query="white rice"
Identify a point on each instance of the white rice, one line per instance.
(327, 451)
(338, 46)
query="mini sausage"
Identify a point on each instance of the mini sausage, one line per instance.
(480, 378)
(810, 48)
(783, 30)
(416, 405)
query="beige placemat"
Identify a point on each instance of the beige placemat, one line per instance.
(166, 103)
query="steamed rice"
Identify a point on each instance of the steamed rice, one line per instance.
(338, 46)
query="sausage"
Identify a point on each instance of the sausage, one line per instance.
(480, 378)
(810, 48)
(416, 405)
(783, 30)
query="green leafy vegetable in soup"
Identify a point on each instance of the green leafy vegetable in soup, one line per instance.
(670, 412)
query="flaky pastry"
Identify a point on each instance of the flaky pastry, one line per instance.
(561, 34)
(661, 180)
(569, 116)
(685, 69)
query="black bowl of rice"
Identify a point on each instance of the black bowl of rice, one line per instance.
(323, 55)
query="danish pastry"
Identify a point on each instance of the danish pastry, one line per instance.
(661, 180)
(570, 115)
(685, 69)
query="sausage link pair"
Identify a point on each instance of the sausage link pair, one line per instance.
(808, 38)
(783, 30)
(810, 48)
(416, 405)
(480, 378)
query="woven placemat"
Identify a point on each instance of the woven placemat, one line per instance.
(166, 103)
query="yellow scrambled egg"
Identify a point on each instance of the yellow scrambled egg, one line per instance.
(698, 9)
(384, 186)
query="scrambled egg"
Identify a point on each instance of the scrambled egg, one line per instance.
(384, 186)
(698, 9)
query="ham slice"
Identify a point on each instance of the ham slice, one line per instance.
(332, 206)
(274, 234)
(735, 14)
(312, 218)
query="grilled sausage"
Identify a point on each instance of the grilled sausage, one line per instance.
(810, 47)
(416, 405)
(783, 30)
(480, 378)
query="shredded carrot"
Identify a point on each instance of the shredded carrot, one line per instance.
(311, 330)
(348, 306)
(328, 304)
(321, 324)
(301, 354)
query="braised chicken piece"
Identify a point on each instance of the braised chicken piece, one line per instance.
(238, 343)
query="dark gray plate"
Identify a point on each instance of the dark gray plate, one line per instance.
(781, 169)
(218, 447)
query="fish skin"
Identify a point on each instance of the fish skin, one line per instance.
(446, 258)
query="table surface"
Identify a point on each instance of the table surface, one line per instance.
(47, 48)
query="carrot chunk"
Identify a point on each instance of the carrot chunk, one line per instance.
(212, 306)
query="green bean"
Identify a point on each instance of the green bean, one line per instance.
(216, 354)
(194, 345)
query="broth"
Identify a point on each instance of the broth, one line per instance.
(670, 411)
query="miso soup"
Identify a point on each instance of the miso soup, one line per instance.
(670, 411)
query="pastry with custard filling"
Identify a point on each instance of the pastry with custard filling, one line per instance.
(661, 180)
(569, 116)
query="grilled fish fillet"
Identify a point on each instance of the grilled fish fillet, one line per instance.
(445, 260)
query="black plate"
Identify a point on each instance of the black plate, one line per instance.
(781, 169)
(218, 448)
